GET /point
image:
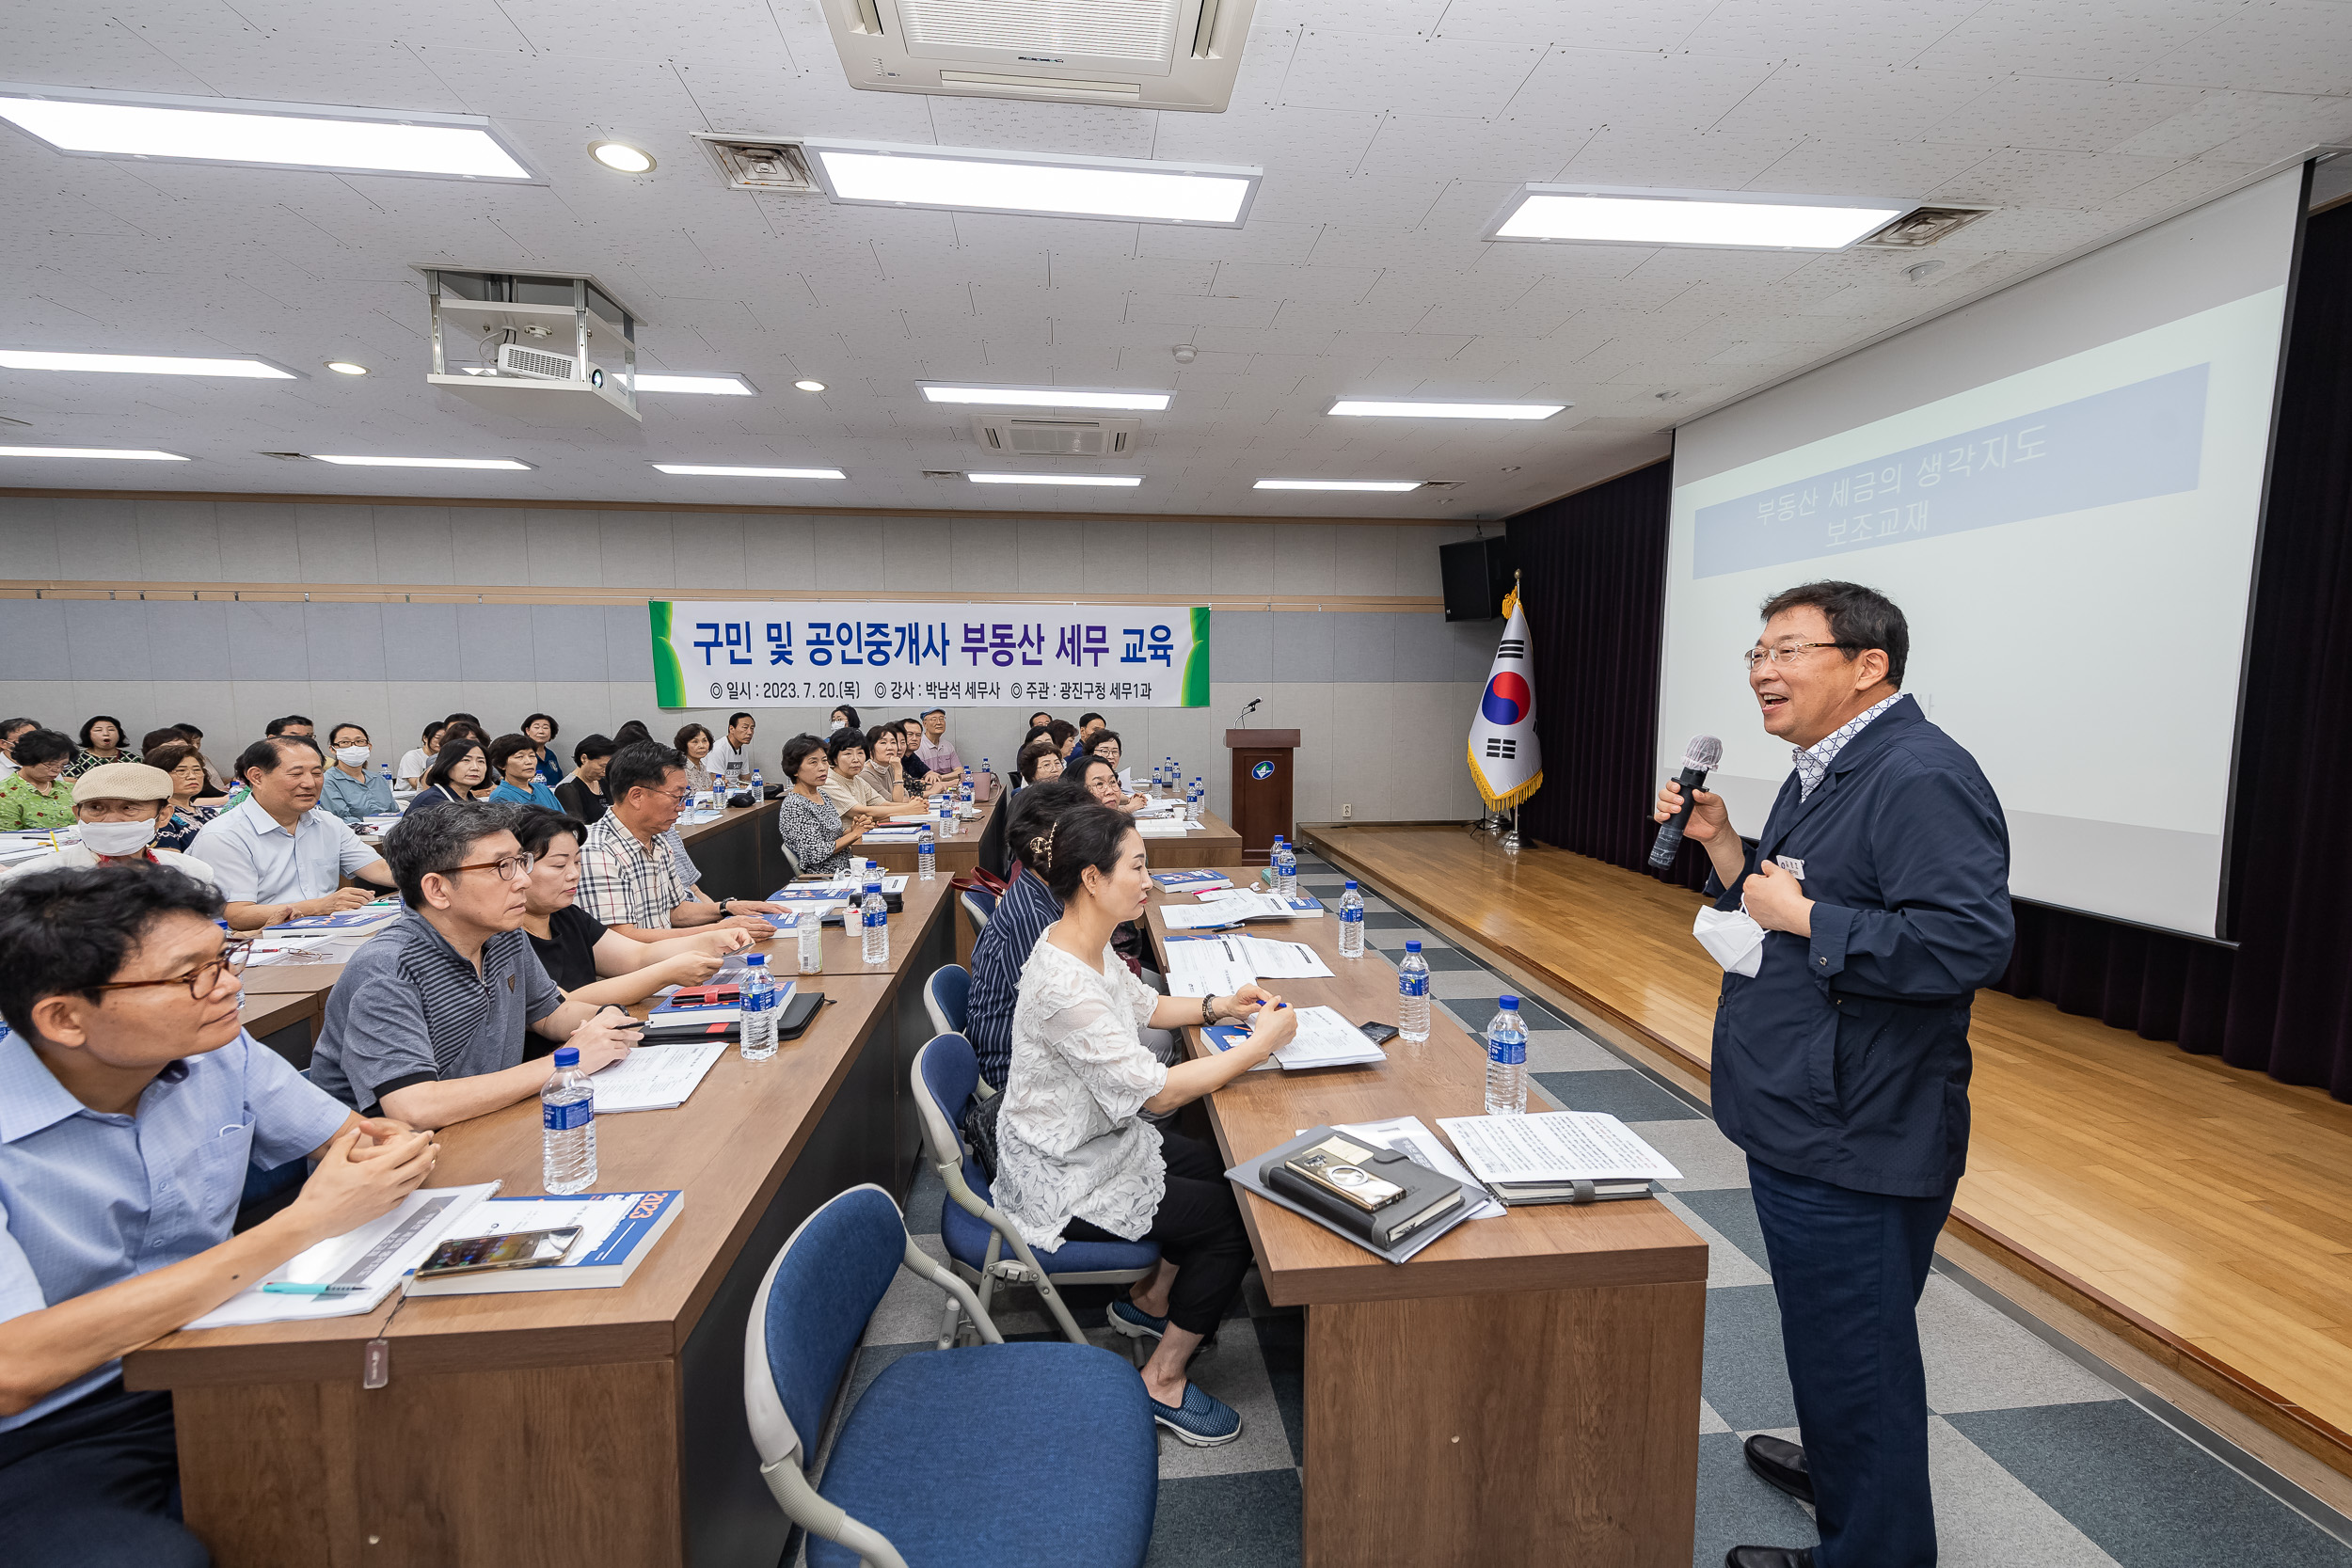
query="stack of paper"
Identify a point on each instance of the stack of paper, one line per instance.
(1205, 966)
(1560, 1156)
(910, 834)
(1324, 1039)
(1411, 1136)
(655, 1077)
(1190, 882)
(616, 1231)
(1232, 906)
(360, 1267)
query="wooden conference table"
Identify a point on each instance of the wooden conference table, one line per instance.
(1524, 1391)
(581, 1428)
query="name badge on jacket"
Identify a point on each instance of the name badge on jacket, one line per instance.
(1789, 864)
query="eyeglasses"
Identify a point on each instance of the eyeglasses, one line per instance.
(203, 979)
(1786, 653)
(510, 868)
(676, 796)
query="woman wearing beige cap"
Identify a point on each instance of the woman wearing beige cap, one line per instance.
(117, 808)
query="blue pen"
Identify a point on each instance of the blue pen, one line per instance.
(289, 1288)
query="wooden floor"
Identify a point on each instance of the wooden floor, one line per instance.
(2204, 1211)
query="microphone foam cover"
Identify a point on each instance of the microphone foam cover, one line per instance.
(1704, 752)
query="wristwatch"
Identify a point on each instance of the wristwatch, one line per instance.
(725, 906)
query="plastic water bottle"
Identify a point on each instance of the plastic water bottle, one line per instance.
(811, 930)
(568, 1119)
(1285, 870)
(759, 1010)
(988, 774)
(1199, 802)
(874, 917)
(1506, 1062)
(1412, 994)
(1168, 776)
(388, 775)
(759, 787)
(926, 855)
(946, 818)
(1351, 923)
(967, 785)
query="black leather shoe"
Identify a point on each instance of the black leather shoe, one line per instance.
(1768, 1556)
(1781, 1463)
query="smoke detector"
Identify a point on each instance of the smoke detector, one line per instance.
(1922, 226)
(1026, 436)
(1135, 53)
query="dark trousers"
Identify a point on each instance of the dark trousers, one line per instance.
(1848, 1267)
(1200, 1231)
(95, 1485)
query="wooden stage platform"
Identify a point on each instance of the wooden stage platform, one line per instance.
(2200, 1212)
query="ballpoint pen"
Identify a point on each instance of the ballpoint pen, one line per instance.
(292, 1288)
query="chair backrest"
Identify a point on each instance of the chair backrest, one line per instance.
(946, 996)
(980, 906)
(811, 1312)
(946, 1073)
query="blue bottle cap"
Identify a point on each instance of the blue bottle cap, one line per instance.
(1349, 888)
(566, 1055)
(1412, 948)
(873, 887)
(758, 960)
(1510, 1004)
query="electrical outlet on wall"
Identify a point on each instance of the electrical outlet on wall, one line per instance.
(1346, 810)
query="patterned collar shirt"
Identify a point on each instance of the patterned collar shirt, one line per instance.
(1813, 760)
(623, 883)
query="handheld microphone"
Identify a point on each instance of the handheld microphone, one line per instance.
(1703, 754)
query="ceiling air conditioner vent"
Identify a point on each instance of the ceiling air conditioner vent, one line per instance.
(758, 163)
(1144, 54)
(1032, 437)
(1922, 226)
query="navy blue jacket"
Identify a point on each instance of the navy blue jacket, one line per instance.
(1845, 1058)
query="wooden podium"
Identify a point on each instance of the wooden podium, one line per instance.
(1262, 789)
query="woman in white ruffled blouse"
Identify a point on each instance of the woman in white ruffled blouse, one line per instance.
(1077, 1160)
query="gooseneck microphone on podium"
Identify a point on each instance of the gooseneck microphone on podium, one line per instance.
(1699, 759)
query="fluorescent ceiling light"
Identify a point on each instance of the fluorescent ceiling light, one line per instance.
(887, 174)
(141, 364)
(724, 472)
(1124, 481)
(1403, 408)
(1739, 219)
(422, 462)
(1388, 485)
(92, 451)
(711, 386)
(319, 136)
(1045, 397)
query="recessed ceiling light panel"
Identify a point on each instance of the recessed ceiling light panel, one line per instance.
(510, 463)
(346, 367)
(92, 451)
(246, 367)
(1386, 486)
(1129, 190)
(1442, 409)
(1045, 397)
(1742, 220)
(323, 137)
(707, 385)
(719, 471)
(1124, 482)
(807, 386)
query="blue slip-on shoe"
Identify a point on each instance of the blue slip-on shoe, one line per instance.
(1127, 1318)
(1202, 1420)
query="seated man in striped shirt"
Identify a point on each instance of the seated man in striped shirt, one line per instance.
(427, 1024)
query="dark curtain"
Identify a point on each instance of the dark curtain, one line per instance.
(1593, 572)
(1593, 568)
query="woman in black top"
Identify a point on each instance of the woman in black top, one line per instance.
(460, 771)
(589, 962)
(583, 794)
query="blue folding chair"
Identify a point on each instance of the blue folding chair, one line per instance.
(979, 907)
(1066, 1469)
(970, 1225)
(944, 995)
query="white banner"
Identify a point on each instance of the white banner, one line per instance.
(764, 653)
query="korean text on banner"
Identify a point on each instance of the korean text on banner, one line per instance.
(777, 654)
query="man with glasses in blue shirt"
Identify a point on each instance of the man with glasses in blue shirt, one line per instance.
(429, 1019)
(131, 1105)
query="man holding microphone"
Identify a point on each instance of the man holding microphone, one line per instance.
(1840, 1058)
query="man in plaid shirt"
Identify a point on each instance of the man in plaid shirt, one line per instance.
(628, 878)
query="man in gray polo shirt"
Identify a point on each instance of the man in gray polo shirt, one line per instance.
(431, 1017)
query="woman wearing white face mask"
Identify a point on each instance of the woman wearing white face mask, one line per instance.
(351, 792)
(117, 808)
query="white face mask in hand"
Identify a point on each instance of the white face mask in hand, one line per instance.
(117, 838)
(352, 756)
(1732, 938)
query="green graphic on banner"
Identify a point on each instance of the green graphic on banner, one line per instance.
(765, 653)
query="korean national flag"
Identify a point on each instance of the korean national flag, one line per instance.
(1505, 758)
